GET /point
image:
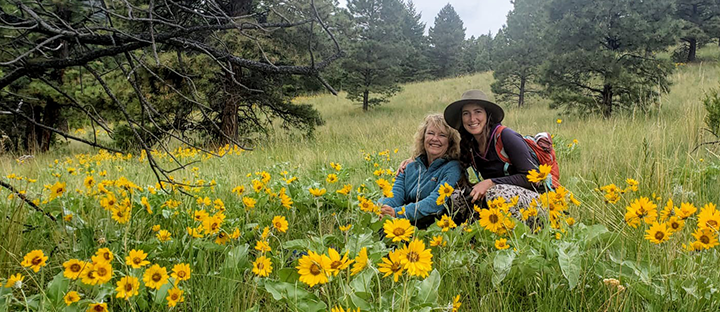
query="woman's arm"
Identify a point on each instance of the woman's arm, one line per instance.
(451, 175)
(520, 157)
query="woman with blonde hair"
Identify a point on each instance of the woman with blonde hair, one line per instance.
(436, 150)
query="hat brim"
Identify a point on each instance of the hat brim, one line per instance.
(453, 112)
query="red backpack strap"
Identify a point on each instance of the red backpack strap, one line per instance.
(499, 148)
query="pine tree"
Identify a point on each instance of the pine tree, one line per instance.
(447, 37)
(375, 53)
(522, 52)
(601, 53)
(485, 56)
(416, 66)
(700, 22)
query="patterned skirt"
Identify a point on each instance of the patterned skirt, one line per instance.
(462, 210)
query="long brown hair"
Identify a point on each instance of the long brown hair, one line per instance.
(468, 144)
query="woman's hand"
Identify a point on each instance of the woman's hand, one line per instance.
(403, 165)
(479, 190)
(387, 211)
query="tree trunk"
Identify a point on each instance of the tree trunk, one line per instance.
(31, 135)
(692, 50)
(229, 122)
(521, 94)
(607, 101)
(366, 98)
(50, 118)
(229, 115)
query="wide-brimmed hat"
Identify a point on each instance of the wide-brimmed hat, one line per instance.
(453, 112)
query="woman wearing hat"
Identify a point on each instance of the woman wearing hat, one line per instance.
(415, 192)
(478, 121)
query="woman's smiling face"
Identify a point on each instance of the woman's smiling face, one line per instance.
(474, 118)
(436, 142)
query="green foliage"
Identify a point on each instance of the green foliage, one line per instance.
(373, 61)
(712, 106)
(699, 22)
(416, 66)
(486, 56)
(522, 53)
(601, 53)
(447, 37)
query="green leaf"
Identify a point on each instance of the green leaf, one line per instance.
(357, 242)
(294, 296)
(502, 265)
(253, 309)
(288, 275)
(237, 259)
(360, 302)
(428, 288)
(589, 234)
(569, 259)
(363, 282)
(56, 288)
(161, 293)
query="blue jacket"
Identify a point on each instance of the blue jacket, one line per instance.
(417, 188)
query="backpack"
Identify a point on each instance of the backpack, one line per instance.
(541, 147)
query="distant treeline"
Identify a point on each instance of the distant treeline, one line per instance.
(588, 55)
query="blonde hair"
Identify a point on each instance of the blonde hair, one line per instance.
(437, 120)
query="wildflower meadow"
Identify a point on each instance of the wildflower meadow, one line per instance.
(293, 225)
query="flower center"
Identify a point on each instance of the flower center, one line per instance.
(102, 271)
(260, 266)
(413, 256)
(36, 260)
(493, 218)
(315, 269)
(181, 274)
(137, 260)
(396, 266)
(675, 225)
(712, 223)
(704, 239)
(278, 225)
(399, 231)
(156, 277)
(75, 267)
(335, 264)
(99, 308)
(106, 256)
(128, 287)
(659, 235)
(641, 212)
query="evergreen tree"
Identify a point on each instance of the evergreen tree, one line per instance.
(446, 38)
(470, 52)
(601, 53)
(375, 53)
(700, 20)
(521, 52)
(416, 66)
(485, 56)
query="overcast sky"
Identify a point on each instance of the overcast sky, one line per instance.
(478, 16)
